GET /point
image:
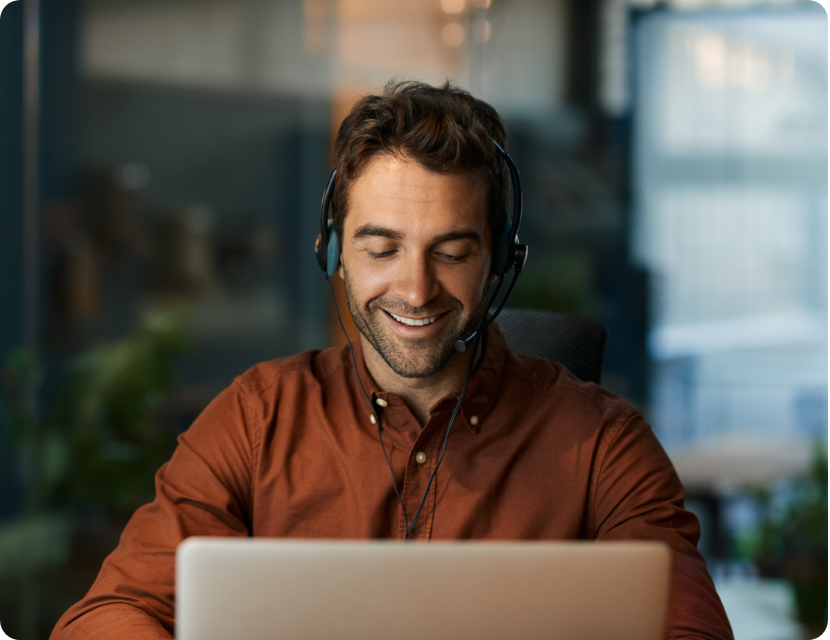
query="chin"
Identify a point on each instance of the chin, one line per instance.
(421, 361)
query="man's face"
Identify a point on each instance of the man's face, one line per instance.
(416, 262)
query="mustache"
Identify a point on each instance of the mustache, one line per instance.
(400, 307)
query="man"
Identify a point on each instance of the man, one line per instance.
(291, 449)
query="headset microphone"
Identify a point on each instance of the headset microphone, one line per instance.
(507, 252)
(464, 343)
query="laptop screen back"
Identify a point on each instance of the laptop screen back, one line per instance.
(298, 590)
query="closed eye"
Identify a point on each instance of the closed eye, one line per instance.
(381, 255)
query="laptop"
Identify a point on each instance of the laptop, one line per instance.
(259, 588)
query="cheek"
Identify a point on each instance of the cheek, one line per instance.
(464, 284)
(374, 284)
(367, 279)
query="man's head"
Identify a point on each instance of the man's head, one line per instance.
(443, 129)
(419, 191)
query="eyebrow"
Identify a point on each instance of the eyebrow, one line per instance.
(461, 234)
(369, 230)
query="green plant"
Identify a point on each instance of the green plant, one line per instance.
(89, 457)
(791, 540)
(104, 438)
(101, 436)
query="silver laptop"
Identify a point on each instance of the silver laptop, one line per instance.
(229, 588)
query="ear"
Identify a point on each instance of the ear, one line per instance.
(341, 270)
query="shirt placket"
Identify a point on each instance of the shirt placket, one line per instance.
(420, 465)
(424, 450)
(401, 435)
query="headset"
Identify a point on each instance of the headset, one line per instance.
(507, 253)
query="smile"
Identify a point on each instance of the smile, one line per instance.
(414, 322)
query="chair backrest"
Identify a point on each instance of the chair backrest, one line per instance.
(576, 342)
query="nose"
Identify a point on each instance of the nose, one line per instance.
(416, 281)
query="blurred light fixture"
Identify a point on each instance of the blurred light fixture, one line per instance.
(452, 34)
(481, 4)
(452, 6)
(481, 30)
(132, 175)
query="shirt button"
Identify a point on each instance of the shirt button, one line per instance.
(474, 420)
(381, 402)
(372, 419)
(420, 457)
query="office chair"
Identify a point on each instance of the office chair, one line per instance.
(576, 342)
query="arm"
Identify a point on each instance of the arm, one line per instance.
(205, 489)
(638, 496)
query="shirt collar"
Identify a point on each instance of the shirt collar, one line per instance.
(481, 390)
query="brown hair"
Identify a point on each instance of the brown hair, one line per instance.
(444, 129)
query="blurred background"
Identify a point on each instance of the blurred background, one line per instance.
(161, 167)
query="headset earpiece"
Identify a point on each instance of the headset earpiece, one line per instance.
(327, 247)
(332, 252)
(501, 244)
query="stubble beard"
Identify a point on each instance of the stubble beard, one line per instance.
(420, 358)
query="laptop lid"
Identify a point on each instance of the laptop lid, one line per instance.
(324, 590)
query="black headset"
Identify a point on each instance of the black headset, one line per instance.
(507, 253)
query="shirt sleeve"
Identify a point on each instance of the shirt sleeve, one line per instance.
(205, 489)
(639, 496)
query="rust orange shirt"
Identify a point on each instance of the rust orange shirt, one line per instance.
(289, 451)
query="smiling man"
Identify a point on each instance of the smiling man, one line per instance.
(418, 250)
(295, 447)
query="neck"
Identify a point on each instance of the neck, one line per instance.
(419, 394)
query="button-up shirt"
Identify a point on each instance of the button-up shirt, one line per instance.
(291, 450)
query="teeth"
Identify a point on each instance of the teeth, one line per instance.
(420, 322)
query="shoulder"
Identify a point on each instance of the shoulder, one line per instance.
(554, 385)
(311, 367)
